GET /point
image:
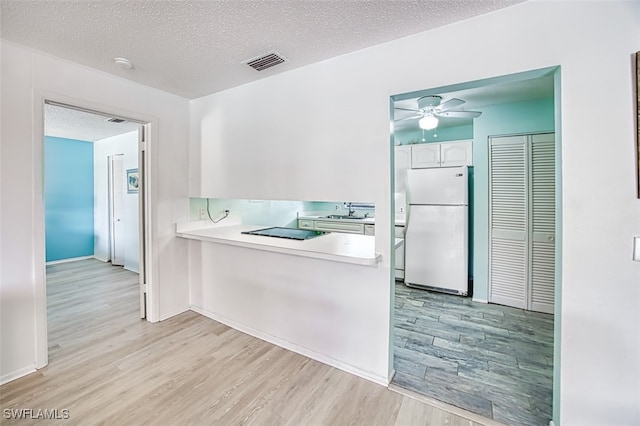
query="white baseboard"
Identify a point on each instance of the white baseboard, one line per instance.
(17, 374)
(391, 374)
(72, 259)
(131, 270)
(381, 380)
(480, 300)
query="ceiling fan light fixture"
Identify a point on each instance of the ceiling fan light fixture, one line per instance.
(428, 122)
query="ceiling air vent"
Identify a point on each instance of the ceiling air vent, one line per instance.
(115, 120)
(266, 61)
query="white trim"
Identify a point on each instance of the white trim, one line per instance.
(17, 374)
(131, 270)
(480, 300)
(71, 259)
(381, 380)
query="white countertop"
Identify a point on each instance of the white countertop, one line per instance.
(340, 247)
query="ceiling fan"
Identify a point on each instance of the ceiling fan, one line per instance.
(431, 107)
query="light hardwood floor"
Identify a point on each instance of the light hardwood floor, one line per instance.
(106, 366)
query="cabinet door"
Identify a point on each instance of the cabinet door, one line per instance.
(305, 224)
(369, 230)
(458, 153)
(348, 227)
(399, 233)
(425, 155)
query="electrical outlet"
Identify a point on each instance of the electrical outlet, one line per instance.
(203, 214)
(337, 207)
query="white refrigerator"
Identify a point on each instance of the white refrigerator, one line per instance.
(436, 240)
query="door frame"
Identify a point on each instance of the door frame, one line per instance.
(557, 335)
(148, 127)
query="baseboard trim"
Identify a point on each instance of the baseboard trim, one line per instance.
(71, 259)
(131, 270)
(480, 300)
(381, 380)
(17, 374)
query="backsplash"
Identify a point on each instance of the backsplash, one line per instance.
(270, 212)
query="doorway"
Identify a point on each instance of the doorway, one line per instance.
(454, 348)
(118, 190)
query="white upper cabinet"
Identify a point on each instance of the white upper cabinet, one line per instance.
(425, 155)
(444, 154)
(459, 153)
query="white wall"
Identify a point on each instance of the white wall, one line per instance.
(322, 309)
(27, 78)
(127, 145)
(322, 128)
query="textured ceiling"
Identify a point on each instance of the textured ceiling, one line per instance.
(194, 48)
(85, 126)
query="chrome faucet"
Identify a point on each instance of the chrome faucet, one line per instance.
(351, 210)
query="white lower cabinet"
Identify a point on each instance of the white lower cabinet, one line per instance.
(369, 230)
(399, 233)
(348, 227)
(337, 226)
(305, 224)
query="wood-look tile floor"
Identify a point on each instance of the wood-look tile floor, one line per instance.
(108, 367)
(493, 360)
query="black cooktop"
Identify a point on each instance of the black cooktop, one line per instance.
(290, 233)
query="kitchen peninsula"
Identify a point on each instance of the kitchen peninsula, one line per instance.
(310, 296)
(339, 247)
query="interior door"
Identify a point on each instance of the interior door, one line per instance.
(543, 223)
(508, 265)
(116, 209)
(522, 221)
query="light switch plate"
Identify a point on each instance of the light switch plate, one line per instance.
(636, 249)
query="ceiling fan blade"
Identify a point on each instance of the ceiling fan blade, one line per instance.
(409, 118)
(450, 103)
(459, 114)
(407, 109)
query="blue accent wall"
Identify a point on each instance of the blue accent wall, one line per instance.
(68, 192)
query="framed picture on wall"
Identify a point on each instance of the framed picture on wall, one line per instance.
(132, 181)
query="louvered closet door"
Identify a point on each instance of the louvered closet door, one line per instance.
(508, 221)
(542, 195)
